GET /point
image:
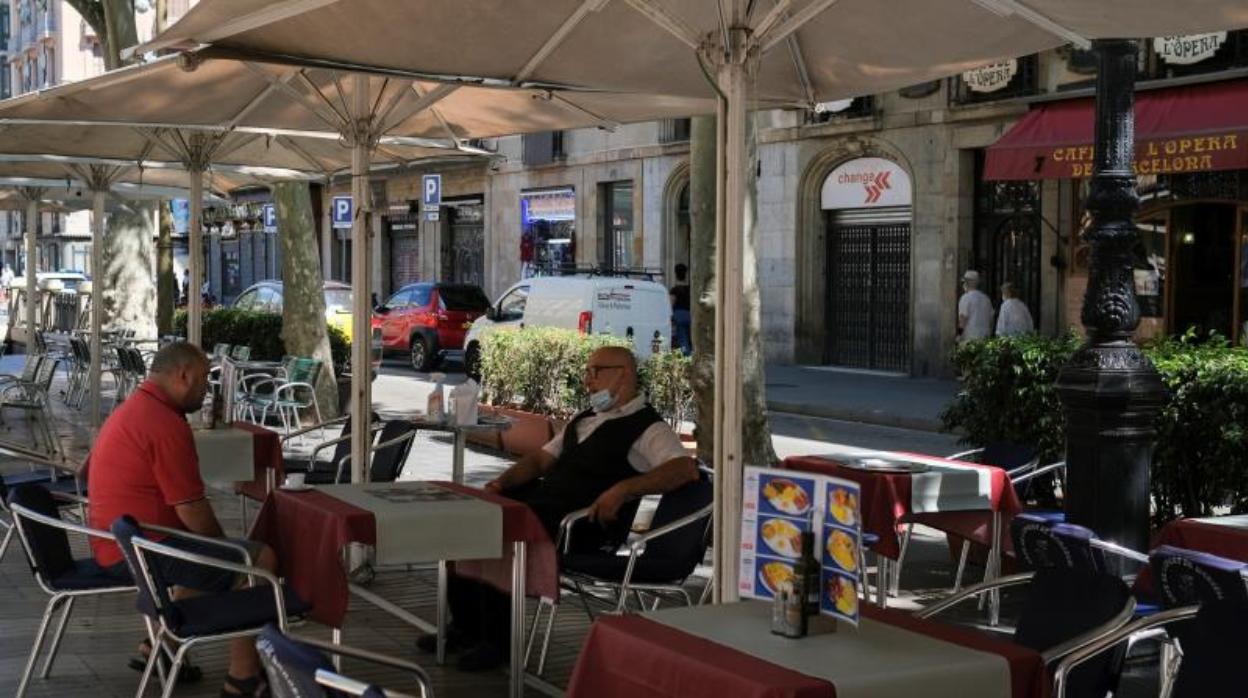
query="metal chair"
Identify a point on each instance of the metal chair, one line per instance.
(1064, 609)
(45, 539)
(32, 398)
(240, 352)
(297, 667)
(286, 395)
(658, 562)
(206, 618)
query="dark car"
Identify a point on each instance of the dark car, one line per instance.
(428, 321)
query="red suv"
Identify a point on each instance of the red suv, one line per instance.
(429, 321)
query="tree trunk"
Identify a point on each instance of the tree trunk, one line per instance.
(304, 330)
(702, 197)
(120, 30)
(128, 285)
(166, 280)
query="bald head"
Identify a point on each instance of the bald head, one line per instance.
(181, 371)
(613, 369)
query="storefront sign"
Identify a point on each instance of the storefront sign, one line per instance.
(1186, 50)
(866, 183)
(991, 77)
(1192, 154)
(549, 205)
(340, 210)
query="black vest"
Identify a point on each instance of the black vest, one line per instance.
(587, 469)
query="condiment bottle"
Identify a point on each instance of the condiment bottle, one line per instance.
(806, 579)
(779, 607)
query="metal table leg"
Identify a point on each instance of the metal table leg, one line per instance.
(457, 462)
(518, 568)
(441, 612)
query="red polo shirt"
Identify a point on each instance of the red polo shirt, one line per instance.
(143, 464)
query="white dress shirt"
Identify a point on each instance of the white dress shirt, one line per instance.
(657, 445)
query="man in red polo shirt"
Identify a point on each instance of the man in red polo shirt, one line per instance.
(144, 464)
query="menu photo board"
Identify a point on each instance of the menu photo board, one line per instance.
(777, 507)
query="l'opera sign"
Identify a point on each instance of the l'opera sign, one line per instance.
(1188, 154)
(1189, 49)
(991, 77)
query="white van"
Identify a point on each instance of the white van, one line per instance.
(624, 307)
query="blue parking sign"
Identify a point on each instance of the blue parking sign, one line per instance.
(270, 218)
(340, 208)
(433, 190)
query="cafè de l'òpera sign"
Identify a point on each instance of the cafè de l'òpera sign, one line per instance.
(1188, 49)
(991, 77)
(1164, 156)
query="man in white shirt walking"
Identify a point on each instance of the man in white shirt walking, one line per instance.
(974, 310)
(1014, 318)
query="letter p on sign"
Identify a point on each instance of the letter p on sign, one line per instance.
(433, 190)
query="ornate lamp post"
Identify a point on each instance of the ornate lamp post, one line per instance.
(1110, 390)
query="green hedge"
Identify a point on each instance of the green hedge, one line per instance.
(260, 331)
(1201, 462)
(541, 369)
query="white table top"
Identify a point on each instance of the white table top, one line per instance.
(420, 522)
(226, 454)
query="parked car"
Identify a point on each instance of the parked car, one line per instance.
(428, 321)
(635, 309)
(266, 296)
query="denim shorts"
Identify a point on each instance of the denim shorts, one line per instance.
(192, 575)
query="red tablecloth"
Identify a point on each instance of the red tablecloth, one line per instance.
(308, 530)
(519, 524)
(633, 657)
(268, 456)
(1194, 534)
(885, 502)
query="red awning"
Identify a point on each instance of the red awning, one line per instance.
(1180, 129)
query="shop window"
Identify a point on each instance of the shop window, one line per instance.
(1007, 240)
(674, 130)
(617, 234)
(547, 231)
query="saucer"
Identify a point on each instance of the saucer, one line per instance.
(295, 488)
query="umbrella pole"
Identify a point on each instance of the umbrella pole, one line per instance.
(97, 300)
(361, 258)
(731, 192)
(194, 295)
(32, 229)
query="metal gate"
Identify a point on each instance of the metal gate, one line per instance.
(868, 286)
(463, 252)
(404, 250)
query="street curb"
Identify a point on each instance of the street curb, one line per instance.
(853, 414)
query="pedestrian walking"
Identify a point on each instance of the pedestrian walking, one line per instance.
(186, 286)
(6, 278)
(1014, 318)
(975, 310)
(682, 317)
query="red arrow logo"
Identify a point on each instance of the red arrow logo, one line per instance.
(875, 186)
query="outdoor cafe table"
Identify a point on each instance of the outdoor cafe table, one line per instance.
(407, 523)
(969, 499)
(1224, 536)
(460, 434)
(728, 650)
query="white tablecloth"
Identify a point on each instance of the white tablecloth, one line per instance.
(226, 455)
(874, 660)
(945, 486)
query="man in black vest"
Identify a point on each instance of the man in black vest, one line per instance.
(606, 459)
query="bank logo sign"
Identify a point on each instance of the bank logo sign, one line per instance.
(866, 183)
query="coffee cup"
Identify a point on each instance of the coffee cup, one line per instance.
(295, 480)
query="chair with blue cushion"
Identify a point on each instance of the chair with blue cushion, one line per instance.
(195, 620)
(299, 668)
(45, 539)
(1064, 608)
(1205, 601)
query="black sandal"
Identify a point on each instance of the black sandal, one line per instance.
(254, 687)
(189, 673)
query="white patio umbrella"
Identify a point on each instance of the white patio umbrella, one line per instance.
(41, 177)
(743, 51)
(210, 95)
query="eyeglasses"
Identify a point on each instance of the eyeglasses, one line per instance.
(593, 371)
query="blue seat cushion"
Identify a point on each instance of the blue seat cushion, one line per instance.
(1146, 608)
(648, 570)
(86, 574)
(36, 476)
(1053, 516)
(252, 607)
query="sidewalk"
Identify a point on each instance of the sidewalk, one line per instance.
(871, 398)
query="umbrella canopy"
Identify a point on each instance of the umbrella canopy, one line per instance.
(812, 50)
(743, 52)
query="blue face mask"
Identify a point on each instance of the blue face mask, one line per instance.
(601, 400)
